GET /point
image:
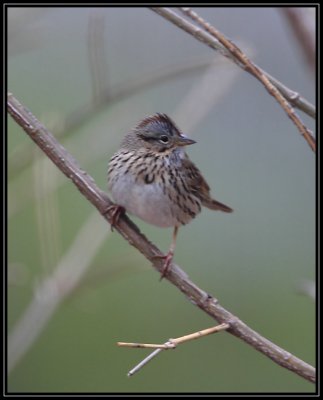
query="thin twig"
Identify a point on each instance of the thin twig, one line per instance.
(290, 95)
(86, 185)
(144, 362)
(143, 345)
(256, 72)
(299, 20)
(170, 344)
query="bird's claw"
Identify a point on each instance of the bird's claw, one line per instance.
(115, 211)
(168, 261)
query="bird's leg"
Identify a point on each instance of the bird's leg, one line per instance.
(115, 211)
(169, 256)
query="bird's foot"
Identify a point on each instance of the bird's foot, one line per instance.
(167, 264)
(115, 211)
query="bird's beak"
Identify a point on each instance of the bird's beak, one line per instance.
(183, 140)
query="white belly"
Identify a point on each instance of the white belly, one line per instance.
(147, 202)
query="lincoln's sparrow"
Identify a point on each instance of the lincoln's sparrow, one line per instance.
(152, 177)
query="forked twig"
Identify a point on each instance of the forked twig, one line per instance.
(210, 305)
(170, 344)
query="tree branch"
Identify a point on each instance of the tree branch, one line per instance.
(86, 185)
(254, 70)
(200, 34)
(298, 20)
(170, 344)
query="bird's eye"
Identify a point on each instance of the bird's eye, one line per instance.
(164, 139)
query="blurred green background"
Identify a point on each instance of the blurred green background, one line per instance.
(62, 330)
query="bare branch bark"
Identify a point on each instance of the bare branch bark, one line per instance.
(291, 96)
(254, 70)
(170, 344)
(86, 185)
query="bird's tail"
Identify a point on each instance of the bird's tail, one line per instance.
(216, 205)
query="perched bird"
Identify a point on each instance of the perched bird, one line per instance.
(151, 177)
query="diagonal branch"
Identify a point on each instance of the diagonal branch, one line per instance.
(207, 38)
(86, 185)
(254, 70)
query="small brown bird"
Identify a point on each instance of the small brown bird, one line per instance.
(152, 178)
